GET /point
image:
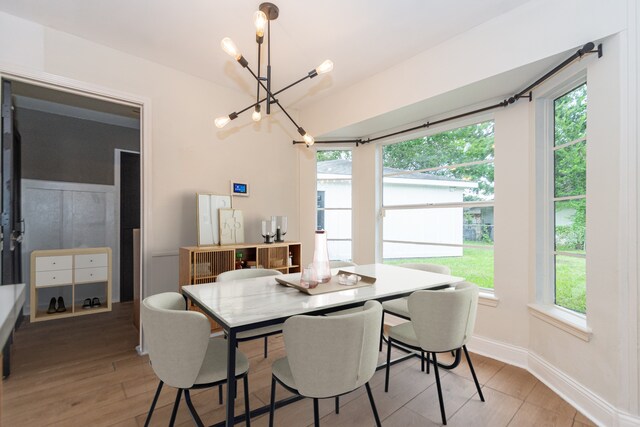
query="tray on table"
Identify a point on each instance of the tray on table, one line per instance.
(330, 286)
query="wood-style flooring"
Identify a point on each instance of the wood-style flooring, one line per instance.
(84, 371)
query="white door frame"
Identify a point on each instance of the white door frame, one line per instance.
(63, 84)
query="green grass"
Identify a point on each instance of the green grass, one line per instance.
(476, 265)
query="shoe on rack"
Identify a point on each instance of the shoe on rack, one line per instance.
(52, 306)
(61, 308)
(87, 303)
(96, 302)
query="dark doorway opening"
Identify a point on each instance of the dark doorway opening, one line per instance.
(129, 219)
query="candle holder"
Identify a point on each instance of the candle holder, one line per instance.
(268, 230)
(281, 227)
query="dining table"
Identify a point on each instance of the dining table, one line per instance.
(247, 304)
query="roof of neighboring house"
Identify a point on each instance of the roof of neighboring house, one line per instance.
(343, 167)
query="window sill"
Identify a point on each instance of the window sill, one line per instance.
(488, 298)
(574, 324)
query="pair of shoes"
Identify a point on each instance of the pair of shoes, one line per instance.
(56, 307)
(91, 303)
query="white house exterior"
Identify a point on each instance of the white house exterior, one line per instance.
(420, 225)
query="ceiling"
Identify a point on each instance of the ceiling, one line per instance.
(362, 37)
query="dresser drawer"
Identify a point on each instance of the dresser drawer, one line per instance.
(53, 278)
(88, 275)
(91, 260)
(50, 263)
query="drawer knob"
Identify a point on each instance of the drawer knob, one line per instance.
(54, 277)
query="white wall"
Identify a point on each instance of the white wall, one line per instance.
(600, 377)
(188, 154)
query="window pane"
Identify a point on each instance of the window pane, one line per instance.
(571, 170)
(462, 145)
(441, 225)
(336, 194)
(337, 224)
(339, 250)
(470, 183)
(570, 225)
(473, 264)
(571, 116)
(571, 283)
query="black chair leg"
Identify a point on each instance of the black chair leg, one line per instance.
(373, 405)
(153, 404)
(422, 361)
(428, 362)
(192, 409)
(220, 394)
(473, 372)
(247, 408)
(272, 404)
(337, 404)
(386, 375)
(172, 421)
(435, 370)
(266, 341)
(316, 413)
(381, 330)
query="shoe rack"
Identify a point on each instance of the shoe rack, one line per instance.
(74, 275)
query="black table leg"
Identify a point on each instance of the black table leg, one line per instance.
(231, 376)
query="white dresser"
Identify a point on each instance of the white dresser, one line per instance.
(73, 274)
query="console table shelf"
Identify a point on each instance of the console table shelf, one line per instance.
(202, 264)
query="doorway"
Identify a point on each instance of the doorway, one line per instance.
(69, 198)
(129, 163)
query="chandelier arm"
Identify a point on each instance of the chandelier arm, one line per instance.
(272, 96)
(260, 101)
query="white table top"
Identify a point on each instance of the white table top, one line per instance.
(11, 301)
(243, 302)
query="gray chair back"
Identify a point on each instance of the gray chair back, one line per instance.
(444, 320)
(329, 356)
(433, 268)
(246, 273)
(338, 264)
(176, 339)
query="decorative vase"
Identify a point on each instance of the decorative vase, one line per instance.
(321, 257)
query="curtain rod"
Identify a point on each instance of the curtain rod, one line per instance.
(586, 49)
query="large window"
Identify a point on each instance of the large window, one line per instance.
(569, 199)
(438, 197)
(333, 183)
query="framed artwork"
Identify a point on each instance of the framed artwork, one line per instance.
(231, 227)
(207, 209)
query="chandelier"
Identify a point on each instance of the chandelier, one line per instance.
(262, 19)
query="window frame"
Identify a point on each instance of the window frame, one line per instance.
(488, 293)
(544, 307)
(325, 209)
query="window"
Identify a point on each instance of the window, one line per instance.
(569, 199)
(438, 193)
(333, 184)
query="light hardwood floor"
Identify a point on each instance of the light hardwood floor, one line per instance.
(84, 371)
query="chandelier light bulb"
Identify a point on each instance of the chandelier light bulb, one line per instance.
(260, 21)
(256, 115)
(325, 67)
(308, 139)
(222, 121)
(230, 47)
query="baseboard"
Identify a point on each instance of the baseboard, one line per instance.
(580, 397)
(507, 353)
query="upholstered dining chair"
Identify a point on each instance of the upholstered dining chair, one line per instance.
(182, 353)
(399, 306)
(441, 321)
(329, 356)
(250, 273)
